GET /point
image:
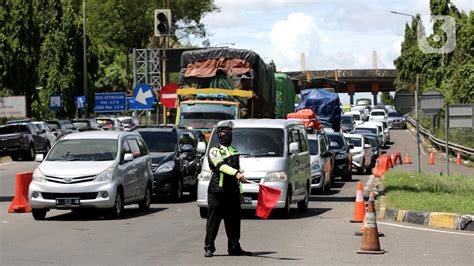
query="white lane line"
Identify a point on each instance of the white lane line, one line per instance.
(426, 229)
(6, 163)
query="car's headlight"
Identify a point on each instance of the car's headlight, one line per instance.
(105, 175)
(38, 176)
(166, 167)
(275, 177)
(205, 175)
(341, 156)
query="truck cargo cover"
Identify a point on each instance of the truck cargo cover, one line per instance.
(325, 104)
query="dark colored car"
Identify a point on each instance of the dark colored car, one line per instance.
(86, 124)
(347, 123)
(22, 140)
(343, 161)
(61, 127)
(175, 161)
(396, 120)
(374, 143)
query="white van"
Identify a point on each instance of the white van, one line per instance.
(376, 129)
(273, 151)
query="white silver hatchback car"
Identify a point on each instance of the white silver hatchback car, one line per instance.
(95, 169)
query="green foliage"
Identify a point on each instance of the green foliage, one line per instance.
(428, 192)
(386, 98)
(453, 73)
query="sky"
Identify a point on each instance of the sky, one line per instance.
(331, 33)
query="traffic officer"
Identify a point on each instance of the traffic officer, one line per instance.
(224, 193)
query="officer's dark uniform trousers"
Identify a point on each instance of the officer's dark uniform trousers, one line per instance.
(223, 197)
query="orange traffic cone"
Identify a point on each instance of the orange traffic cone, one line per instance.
(20, 201)
(458, 158)
(361, 230)
(407, 159)
(431, 160)
(359, 207)
(370, 240)
(376, 169)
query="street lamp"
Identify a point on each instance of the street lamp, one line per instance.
(416, 101)
(224, 43)
(400, 13)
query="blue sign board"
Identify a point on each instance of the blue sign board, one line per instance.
(110, 102)
(56, 102)
(80, 102)
(142, 98)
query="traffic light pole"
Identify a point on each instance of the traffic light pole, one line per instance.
(163, 78)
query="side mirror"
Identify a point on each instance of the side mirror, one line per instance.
(187, 148)
(294, 148)
(351, 146)
(201, 147)
(128, 157)
(333, 144)
(39, 157)
(43, 131)
(366, 146)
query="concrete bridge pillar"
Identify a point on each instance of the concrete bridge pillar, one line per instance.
(351, 91)
(374, 87)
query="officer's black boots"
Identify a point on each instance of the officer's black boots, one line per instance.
(208, 253)
(239, 252)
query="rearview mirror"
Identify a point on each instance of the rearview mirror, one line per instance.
(326, 154)
(367, 146)
(39, 157)
(351, 146)
(201, 147)
(43, 131)
(333, 144)
(294, 148)
(128, 157)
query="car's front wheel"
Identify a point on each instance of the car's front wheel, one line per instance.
(144, 205)
(117, 211)
(39, 214)
(303, 205)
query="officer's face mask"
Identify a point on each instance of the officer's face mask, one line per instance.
(225, 138)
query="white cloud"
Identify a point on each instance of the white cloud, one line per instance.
(289, 38)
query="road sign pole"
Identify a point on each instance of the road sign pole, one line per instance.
(447, 139)
(164, 75)
(417, 124)
(84, 51)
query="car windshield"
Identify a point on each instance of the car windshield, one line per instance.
(357, 142)
(11, 129)
(338, 139)
(84, 150)
(256, 142)
(313, 147)
(347, 120)
(205, 116)
(54, 125)
(81, 124)
(377, 114)
(160, 141)
(370, 129)
(395, 114)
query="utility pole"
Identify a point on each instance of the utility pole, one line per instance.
(84, 51)
(417, 123)
(374, 59)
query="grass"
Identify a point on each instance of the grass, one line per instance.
(428, 192)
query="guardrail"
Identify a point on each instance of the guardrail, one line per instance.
(452, 146)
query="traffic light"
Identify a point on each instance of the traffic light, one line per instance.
(162, 22)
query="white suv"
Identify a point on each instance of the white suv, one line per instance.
(94, 169)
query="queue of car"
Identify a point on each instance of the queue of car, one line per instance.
(106, 169)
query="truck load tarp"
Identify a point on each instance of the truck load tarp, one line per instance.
(325, 104)
(308, 117)
(285, 95)
(219, 61)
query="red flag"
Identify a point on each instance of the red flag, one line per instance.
(267, 199)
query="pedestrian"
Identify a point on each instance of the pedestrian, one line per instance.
(224, 193)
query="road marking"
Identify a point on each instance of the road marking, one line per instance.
(6, 163)
(426, 229)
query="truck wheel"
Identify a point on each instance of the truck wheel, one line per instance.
(39, 214)
(30, 154)
(203, 212)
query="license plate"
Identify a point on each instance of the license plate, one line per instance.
(68, 202)
(247, 200)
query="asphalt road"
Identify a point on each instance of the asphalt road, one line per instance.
(173, 234)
